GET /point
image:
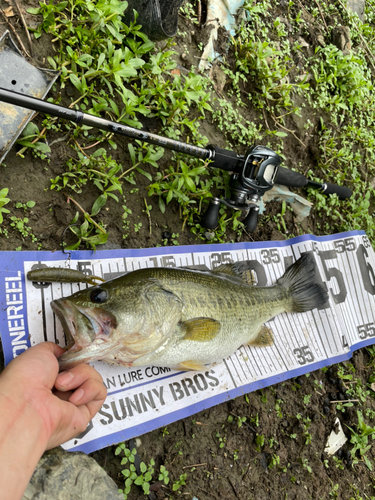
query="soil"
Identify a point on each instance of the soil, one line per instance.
(285, 466)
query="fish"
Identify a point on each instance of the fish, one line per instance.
(61, 275)
(181, 318)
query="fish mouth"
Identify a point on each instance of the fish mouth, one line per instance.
(87, 331)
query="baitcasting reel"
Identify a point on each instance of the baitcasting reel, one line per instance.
(256, 175)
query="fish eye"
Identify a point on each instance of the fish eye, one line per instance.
(99, 296)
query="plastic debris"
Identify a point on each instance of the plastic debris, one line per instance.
(17, 74)
(336, 439)
(219, 13)
(301, 207)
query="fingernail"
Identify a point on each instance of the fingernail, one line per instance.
(64, 378)
(76, 396)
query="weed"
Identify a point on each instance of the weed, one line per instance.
(163, 476)
(33, 139)
(360, 441)
(22, 227)
(333, 493)
(222, 440)
(306, 399)
(259, 441)
(117, 73)
(165, 432)
(84, 233)
(305, 464)
(239, 420)
(146, 471)
(180, 482)
(3, 201)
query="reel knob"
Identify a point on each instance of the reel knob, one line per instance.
(251, 220)
(211, 216)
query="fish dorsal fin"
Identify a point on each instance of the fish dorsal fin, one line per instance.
(264, 337)
(200, 329)
(240, 270)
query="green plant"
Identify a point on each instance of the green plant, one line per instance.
(339, 464)
(343, 81)
(3, 201)
(22, 227)
(118, 74)
(32, 139)
(83, 233)
(360, 441)
(180, 482)
(305, 464)
(163, 476)
(222, 440)
(333, 492)
(165, 432)
(25, 206)
(144, 478)
(259, 441)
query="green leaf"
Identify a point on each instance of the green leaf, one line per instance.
(30, 129)
(143, 467)
(99, 204)
(161, 205)
(100, 60)
(34, 10)
(146, 174)
(75, 81)
(132, 153)
(368, 462)
(281, 134)
(146, 488)
(169, 196)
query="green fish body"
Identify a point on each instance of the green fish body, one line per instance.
(180, 318)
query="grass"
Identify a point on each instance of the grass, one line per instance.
(271, 83)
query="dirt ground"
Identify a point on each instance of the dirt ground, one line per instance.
(290, 462)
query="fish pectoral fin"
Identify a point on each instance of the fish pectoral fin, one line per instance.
(200, 329)
(241, 270)
(264, 337)
(191, 365)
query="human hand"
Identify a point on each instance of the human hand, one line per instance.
(64, 402)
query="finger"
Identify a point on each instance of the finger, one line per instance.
(40, 360)
(91, 391)
(50, 346)
(73, 378)
(64, 396)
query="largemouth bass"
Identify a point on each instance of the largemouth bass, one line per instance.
(180, 318)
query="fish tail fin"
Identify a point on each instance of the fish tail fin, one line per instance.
(299, 281)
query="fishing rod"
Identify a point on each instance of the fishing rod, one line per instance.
(252, 174)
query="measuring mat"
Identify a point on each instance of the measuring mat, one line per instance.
(142, 399)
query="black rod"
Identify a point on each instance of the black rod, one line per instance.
(47, 108)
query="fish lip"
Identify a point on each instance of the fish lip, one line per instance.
(68, 314)
(83, 345)
(78, 346)
(68, 326)
(73, 357)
